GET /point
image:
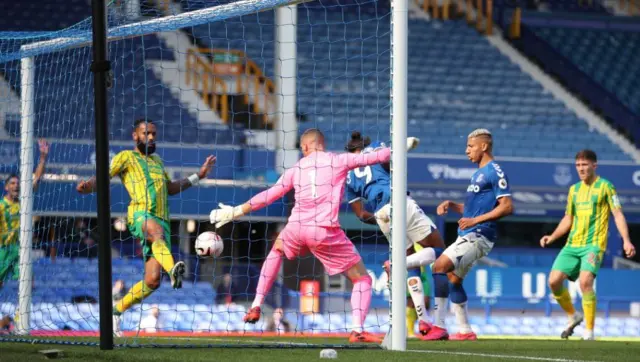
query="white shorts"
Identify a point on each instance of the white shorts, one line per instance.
(466, 251)
(419, 225)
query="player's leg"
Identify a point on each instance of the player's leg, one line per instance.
(157, 235)
(458, 297)
(422, 230)
(411, 316)
(566, 266)
(439, 269)
(589, 266)
(338, 255)
(138, 292)
(457, 258)
(588, 303)
(268, 274)
(5, 265)
(416, 292)
(360, 302)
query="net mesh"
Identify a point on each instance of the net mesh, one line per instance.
(204, 72)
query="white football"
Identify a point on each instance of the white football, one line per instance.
(209, 244)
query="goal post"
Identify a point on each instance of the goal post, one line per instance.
(27, 111)
(399, 65)
(289, 84)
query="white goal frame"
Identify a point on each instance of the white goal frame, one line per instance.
(286, 102)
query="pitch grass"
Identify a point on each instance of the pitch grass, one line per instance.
(482, 350)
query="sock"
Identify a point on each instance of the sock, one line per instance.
(564, 300)
(589, 309)
(414, 285)
(423, 257)
(360, 302)
(162, 254)
(459, 301)
(268, 275)
(412, 317)
(441, 285)
(135, 295)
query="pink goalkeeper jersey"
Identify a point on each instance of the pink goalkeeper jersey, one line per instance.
(318, 180)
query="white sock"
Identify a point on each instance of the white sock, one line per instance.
(440, 312)
(423, 257)
(417, 296)
(587, 334)
(462, 317)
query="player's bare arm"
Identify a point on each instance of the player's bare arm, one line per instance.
(362, 214)
(562, 229)
(445, 206)
(43, 146)
(504, 208)
(623, 229)
(176, 187)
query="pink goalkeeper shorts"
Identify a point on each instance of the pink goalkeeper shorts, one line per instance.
(329, 245)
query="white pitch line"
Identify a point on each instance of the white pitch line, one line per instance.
(472, 354)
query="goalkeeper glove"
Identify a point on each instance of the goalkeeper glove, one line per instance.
(412, 143)
(225, 214)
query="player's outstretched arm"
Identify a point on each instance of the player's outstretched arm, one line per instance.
(623, 229)
(43, 146)
(118, 165)
(562, 229)
(504, 208)
(226, 214)
(383, 155)
(365, 216)
(176, 187)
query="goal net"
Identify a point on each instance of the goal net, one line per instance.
(240, 80)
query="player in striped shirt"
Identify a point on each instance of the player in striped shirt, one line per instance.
(149, 186)
(318, 180)
(587, 221)
(10, 217)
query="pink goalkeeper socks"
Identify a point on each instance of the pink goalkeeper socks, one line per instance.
(360, 302)
(268, 275)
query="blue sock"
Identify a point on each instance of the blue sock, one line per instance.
(438, 252)
(413, 273)
(458, 295)
(441, 285)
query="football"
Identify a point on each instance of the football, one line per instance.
(209, 244)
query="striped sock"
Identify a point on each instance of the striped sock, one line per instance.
(136, 294)
(564, 300)
(412, 317)
(162, 254)
(589, 309)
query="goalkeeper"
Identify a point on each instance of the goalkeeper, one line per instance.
(149, 186)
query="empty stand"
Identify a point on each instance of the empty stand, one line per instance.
(609, 57)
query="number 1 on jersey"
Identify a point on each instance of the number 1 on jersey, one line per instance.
(312, 177)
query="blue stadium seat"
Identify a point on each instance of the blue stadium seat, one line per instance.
(608, 56)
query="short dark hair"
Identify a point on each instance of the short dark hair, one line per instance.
(12, 175)
(587, 154)
(357, 142)
(140, 121)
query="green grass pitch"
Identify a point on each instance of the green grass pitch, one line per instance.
(482, 350)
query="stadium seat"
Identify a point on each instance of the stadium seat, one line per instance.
(471, 82)
(608, 56)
